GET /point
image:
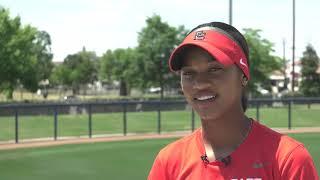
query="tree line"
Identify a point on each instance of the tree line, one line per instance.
(25, 55)
(26, 60)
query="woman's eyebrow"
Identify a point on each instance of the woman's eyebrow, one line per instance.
(214, 63)
(186, 68)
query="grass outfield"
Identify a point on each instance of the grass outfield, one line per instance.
(99, 161)
(139, 122)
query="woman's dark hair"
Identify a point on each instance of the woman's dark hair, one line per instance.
(239, 39)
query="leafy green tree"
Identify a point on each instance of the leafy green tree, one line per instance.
(106, 66)
(77, 69)
(19, 57)
(60, 75)
(262, 62)
(155, 43)
(120, 65)
(310, 84)
(42, 49)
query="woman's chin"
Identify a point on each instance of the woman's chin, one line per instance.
(208, 116)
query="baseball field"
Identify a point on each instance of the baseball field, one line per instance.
(124, 159)
(99, 161)
(42, 126)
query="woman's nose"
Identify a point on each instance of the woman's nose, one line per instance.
(202, 81)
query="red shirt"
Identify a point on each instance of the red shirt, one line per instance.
(265, 154)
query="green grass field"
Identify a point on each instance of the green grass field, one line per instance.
(99, 161)
(140, 122)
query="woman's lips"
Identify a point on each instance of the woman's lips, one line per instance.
(205, 101)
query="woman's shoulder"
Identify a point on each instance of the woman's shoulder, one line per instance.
(273, 139)
(180, 146)
(271, 136)
(285, 149)
(172, 157)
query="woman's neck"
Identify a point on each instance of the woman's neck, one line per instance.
(226, 132)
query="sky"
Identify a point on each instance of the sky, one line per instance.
(100, 25)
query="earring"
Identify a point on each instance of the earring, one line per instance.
(245, 81)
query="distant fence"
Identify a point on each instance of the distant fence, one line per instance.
(56, 109)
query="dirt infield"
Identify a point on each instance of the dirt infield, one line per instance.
(45, 142)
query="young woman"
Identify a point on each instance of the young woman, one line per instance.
(213, 62)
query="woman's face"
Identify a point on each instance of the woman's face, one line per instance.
(210, 88)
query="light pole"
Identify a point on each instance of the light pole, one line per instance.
(293, 41)
(230, 12)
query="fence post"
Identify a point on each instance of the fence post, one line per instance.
(55, 123)
(258, 111)
(124, 118)
(159, 118)
(192, 119)
(16, 125)
(289, 114)
(90, 120)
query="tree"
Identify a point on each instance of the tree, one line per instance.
(262, 62)
(106, 67)
(120, 65)
(77, 69)
(155, 43)
(60, 75)
(310, 84)
(42, 49)
(18, 55)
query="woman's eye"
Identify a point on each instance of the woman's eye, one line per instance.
(214, 69)
(187, 73)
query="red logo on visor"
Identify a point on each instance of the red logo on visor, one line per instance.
(200, 35)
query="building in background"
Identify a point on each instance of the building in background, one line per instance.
(281, 80)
